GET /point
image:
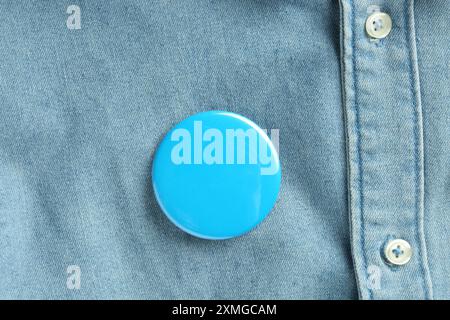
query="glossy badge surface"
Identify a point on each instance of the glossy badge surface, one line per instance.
(216, 175)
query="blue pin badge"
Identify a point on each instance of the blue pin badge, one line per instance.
(216, 175)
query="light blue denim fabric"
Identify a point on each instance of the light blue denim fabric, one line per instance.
(364, 146)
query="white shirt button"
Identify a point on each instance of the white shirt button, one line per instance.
(398, 252)
(378, 25)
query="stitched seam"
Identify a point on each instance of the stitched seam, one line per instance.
(358, 148)
(416, 135)
(408, 28)
(344, 86)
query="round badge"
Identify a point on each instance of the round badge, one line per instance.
(216, 175)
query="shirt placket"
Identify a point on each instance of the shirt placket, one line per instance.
(381, 101)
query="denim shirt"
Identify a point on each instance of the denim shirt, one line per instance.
(89, 88)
